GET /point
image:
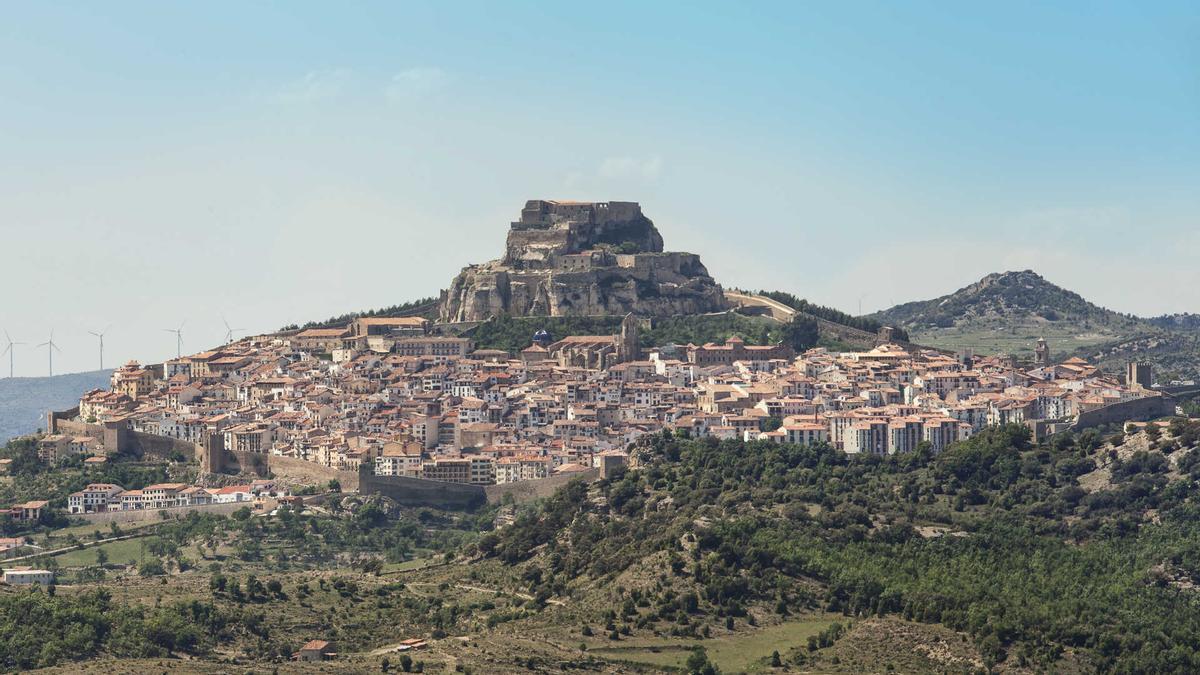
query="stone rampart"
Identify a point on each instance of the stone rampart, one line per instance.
(118, 438)
(420, 492)
(1137, 410)
(310, 473)
(528, 490)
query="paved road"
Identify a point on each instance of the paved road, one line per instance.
(779, 310)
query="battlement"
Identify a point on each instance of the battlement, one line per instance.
(549, 229)
(543, 214)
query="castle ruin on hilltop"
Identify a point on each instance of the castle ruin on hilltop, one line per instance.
(582, 258)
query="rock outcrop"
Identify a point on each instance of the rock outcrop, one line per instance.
(582, 258)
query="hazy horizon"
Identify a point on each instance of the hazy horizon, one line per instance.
(275, 164)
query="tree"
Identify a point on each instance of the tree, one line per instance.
(801, 333)
(101, 556)
(698, 663)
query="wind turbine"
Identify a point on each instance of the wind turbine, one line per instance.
(50, 349)
(178, 339)
(100, 335)
(230, 331)
(10, 351)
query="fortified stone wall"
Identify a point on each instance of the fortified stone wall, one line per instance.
(161, 447)
(311, 473)
(419, 492)
(528, 490)
(77, 428)
(1137, 410)
(118, 438)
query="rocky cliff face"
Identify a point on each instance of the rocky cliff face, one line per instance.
(583, 258)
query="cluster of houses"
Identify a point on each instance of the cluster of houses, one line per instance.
(390, 395)
(103, 497)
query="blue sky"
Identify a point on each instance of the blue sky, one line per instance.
(276, 162)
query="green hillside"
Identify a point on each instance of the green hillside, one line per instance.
(1008, 312)
(995, 540)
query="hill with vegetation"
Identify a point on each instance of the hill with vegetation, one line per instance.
(1078, 555)
(1008, 312)
(25, 400)
(512, 334)
(1075, 556)
(864, 323)
(1010, 297)
(1184, 321)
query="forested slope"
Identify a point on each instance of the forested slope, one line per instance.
(995, 539)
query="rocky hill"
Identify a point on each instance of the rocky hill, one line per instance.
(1185, 321)
(1024, 297)
(1008, 312)
(25, 400)
(582, 258)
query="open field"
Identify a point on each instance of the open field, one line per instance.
(124, 552)
(426, 559)
(734, 653)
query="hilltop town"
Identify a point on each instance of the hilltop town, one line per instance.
(693, 484)
(384, 396)
(405, 397)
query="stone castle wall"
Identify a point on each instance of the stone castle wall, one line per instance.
(118, 438)
(300, 471)
(420, 492)
(527, 490)
(1137, 410)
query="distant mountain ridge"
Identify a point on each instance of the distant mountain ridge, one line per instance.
(1009, 311)
(1008, 296)
(25, 400)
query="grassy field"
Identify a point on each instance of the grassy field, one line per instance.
(735, 653)
(122, 552)
(425, 559)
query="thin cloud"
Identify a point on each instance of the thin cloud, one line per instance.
(415, 82)
(316, 85)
